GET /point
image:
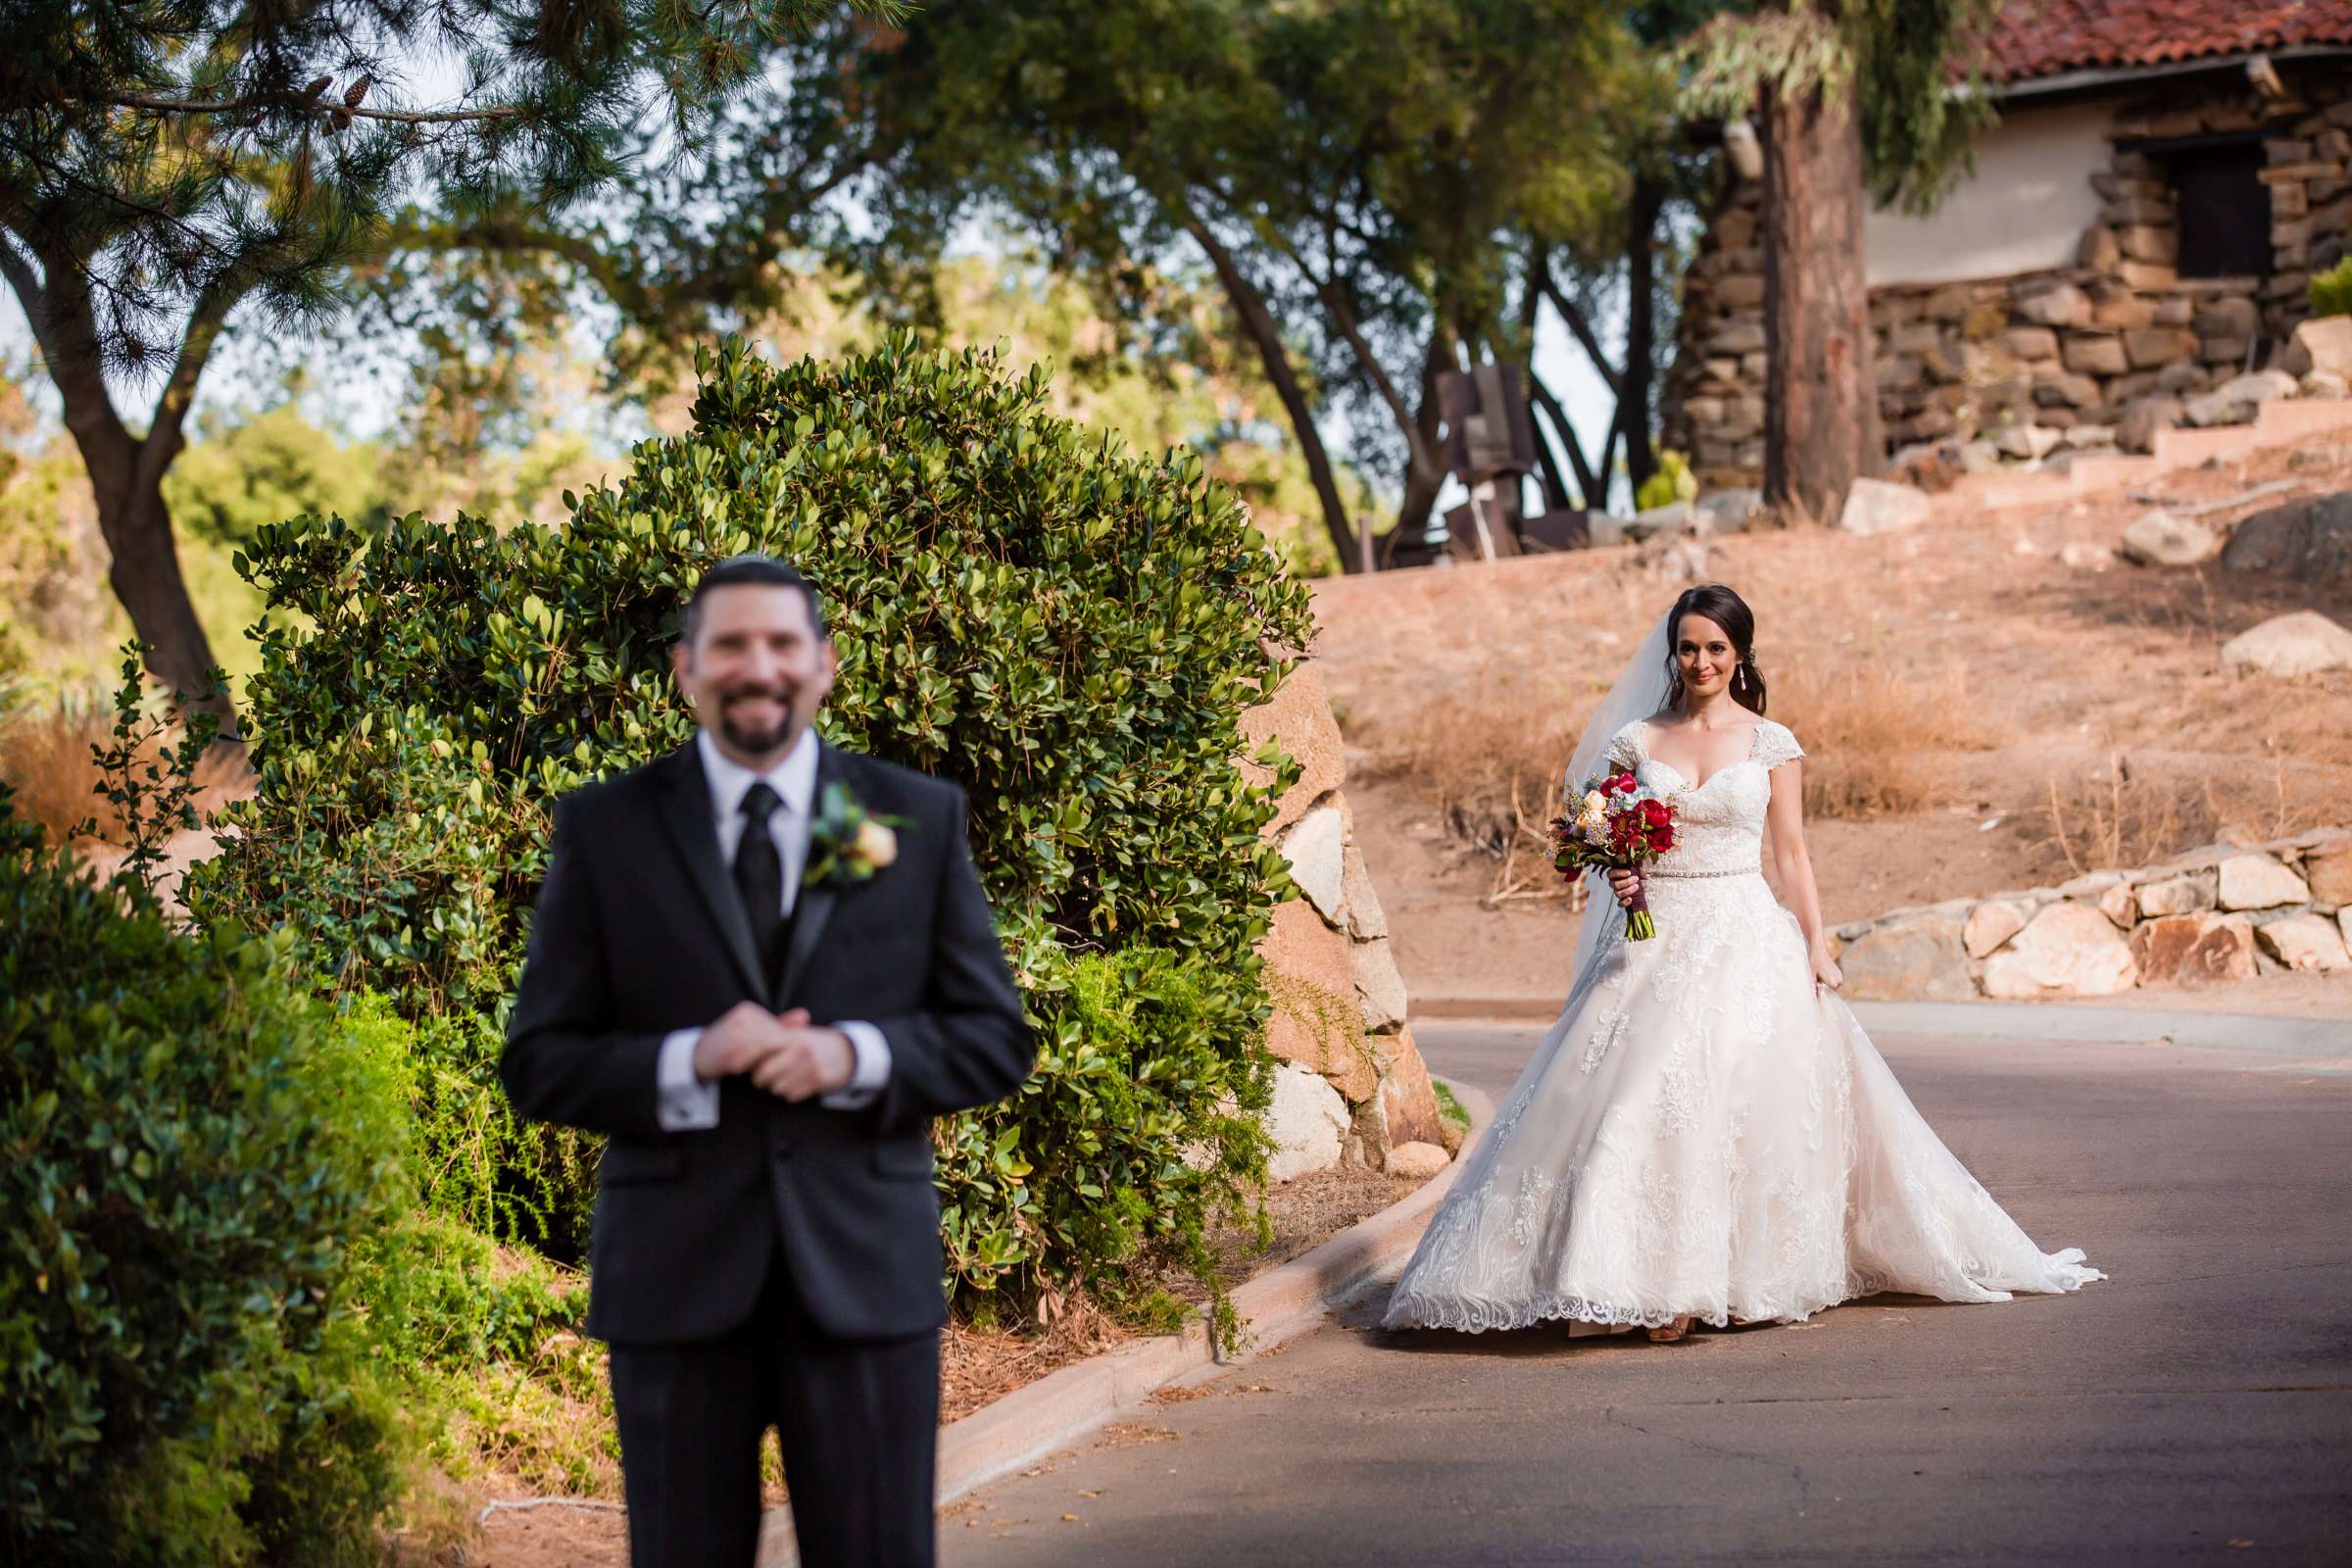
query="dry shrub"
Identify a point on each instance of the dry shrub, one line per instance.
(46, 757)
(1491, 763)
(2127, 816)
(1875, 739)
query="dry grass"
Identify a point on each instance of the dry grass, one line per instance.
(46, 757)
(1877, 739)
(1491, 762)
(2128, 814)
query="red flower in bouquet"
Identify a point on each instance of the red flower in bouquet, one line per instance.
(1616, 825)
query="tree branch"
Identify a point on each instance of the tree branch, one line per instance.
(1583, 330)
(165, 429)
(1584, 485)
(322, 107)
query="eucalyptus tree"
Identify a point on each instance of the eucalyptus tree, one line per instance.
(170, 165)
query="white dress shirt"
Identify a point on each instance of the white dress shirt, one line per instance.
(686, 1104)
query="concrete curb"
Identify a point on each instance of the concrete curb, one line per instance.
(2041, 1021)
(2013, 1020)
(1029, 1423)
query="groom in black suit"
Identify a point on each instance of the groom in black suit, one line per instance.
(761, 966)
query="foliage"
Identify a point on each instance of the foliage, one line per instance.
(190, 1158)
(1673, 481)
(1363, 179)
(168, 152)
(1069, 633)
(2331, 290)
(1448, 1107)
(1912, 67)
(266, 468)
(1140, 1121)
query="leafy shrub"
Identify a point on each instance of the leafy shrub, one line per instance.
(2331, 290)
(189, 1156)
(1671, 481)
(1069, 633)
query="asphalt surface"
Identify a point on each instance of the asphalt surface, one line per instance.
(2194, 1406)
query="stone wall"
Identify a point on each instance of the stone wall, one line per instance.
(1352, 1086)
(2037, 366)
(2222, 912)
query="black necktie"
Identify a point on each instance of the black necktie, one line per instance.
(760, 877)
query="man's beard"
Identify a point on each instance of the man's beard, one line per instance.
(767, 737)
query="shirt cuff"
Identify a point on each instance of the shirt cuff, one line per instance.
(868, 1075)
(684, 1103)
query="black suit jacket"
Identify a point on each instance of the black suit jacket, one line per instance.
(639, 931)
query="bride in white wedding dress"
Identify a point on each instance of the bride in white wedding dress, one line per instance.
(1707, 1134)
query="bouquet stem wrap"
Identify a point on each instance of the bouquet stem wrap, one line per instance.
(1639, 926)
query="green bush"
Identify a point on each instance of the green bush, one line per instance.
(1673, 481)
(190, 1153)
(2331, 290)
(1070, 632)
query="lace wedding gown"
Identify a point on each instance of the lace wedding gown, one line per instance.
(1704, 1131)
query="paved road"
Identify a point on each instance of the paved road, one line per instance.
(2197, 1402)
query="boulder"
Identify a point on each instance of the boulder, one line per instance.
(2194, 949)
(2062, 305)
(2319, 384)
(2027, 443)
(2302, 643)
(2323, 345)
(2088, 355)
(2255, 881)
(2084, 436)
(2117, 904)
(1409, 1103)
(2216, 408)
(1659, 519)
(2159, 539)
(1919, 959)
(1315, 849)
(2147, 346)
(2179, 895)
(1990, 925)
(2308, 942)
(1873, 506)
(1307, 1121)
(1365, 919)
(1379, 988)
(2136, 431)
(2328, 870)
(1317, 1022)
(2068, 950)
(1731, 511)
(2310, 540)
(1300, 715)
(2031, 343)
(1418, 1162)
(2180, 377)
(2257, 386)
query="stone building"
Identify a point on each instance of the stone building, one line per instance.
(2138, 232)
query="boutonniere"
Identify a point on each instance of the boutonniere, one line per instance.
(847, 843)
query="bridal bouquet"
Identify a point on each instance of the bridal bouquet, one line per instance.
(1618, 825)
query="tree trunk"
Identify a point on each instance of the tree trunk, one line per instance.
(127, 473)
(1259, 321)
(1821, 409)
(1640, 329)
(1422, 482)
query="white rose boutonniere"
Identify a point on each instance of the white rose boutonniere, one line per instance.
(847, 843)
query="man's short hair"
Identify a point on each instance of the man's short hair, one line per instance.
(763, 571)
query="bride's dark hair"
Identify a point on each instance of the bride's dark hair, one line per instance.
(1729, 610)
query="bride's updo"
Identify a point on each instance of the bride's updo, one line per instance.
(1729, 610)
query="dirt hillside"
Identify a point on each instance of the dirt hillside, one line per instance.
(1992, 700)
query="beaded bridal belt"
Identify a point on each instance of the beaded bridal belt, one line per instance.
(1655, 871)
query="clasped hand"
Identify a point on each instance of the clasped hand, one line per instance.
(782, 1053)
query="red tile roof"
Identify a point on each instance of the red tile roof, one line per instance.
(2044, 37)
